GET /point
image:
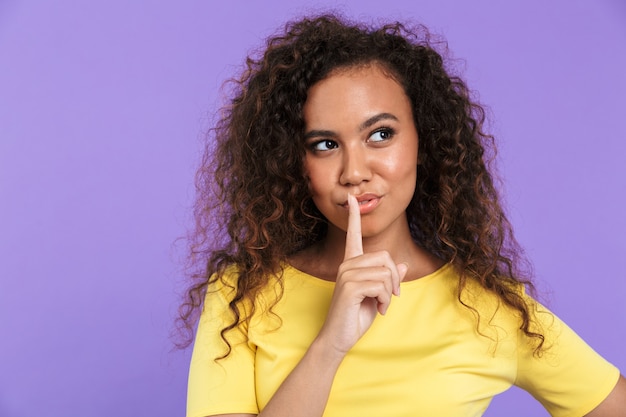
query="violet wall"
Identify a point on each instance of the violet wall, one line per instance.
(102, 105)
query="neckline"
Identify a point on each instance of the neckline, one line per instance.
(426, 278)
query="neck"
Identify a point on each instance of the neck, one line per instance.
(323, 259)
(397, 242)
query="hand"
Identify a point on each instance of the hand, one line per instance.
(364, 287)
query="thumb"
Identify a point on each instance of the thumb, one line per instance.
(402, 270)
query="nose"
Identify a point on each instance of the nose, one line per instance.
(355, 166)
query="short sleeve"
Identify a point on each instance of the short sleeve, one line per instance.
(568, 378)
(226, 385)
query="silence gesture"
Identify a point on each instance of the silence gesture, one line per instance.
(364, 287)
(354, 239)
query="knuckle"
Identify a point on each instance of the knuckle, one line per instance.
(349, 285)
(388, 273)
(384, 298)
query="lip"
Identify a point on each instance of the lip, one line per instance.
(367, 202)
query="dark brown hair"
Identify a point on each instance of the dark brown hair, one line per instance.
(253, 207)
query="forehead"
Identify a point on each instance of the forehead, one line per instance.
(355, 92)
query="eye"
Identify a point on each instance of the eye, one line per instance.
(381, 135)
(323, 145)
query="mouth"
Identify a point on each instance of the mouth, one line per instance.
(367, 202)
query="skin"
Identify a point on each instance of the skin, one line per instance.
(361, 140)
(615, 404)
(361, 164)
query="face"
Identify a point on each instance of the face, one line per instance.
(361, 139)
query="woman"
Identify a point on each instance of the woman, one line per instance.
(364, 264)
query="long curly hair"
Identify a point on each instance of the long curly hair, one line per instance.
(253, 206)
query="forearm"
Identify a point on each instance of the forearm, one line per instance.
(304, 393)
(364, 287)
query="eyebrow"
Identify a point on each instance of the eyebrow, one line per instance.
(375, 119)
(368, 123)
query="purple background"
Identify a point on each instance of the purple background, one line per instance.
(101, 110)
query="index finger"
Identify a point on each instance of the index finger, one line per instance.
(354, 239)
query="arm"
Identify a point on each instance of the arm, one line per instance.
(364, 287)
(233, 415)
(305, 391)
(615, 404)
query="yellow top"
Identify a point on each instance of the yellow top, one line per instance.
(425, 357)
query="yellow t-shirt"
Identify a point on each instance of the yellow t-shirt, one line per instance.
(425, 357)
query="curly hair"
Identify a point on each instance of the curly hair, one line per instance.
(253, 206)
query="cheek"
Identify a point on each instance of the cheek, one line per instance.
(402, 174)
(317, 187)
(402, 165)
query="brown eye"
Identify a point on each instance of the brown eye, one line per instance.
(324, 145)
(381, 135)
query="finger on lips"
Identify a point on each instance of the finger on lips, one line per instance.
(354, 239)
(377, 268)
